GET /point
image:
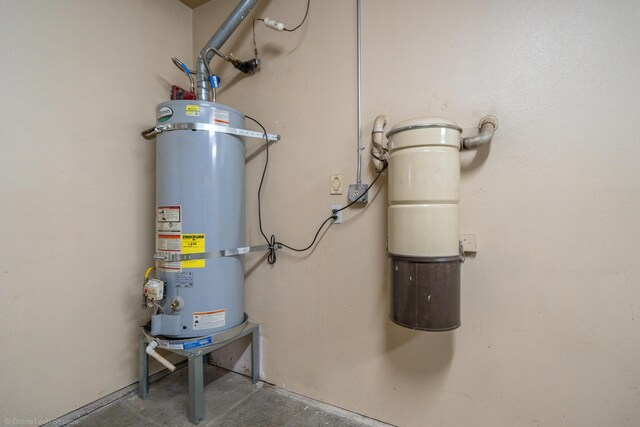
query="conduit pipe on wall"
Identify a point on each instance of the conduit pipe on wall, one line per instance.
(359, 43)
(217, 40)
(487, 127)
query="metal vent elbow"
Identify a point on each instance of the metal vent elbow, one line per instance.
(487, 127)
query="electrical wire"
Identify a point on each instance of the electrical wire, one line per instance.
(255, 46)
(290, 30)
(303, 19)
(333, 216)
(264, 171)
(378, 151)
(157, 307)
(272, 242)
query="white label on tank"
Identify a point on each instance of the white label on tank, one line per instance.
(169, 219)
(169, 235)
(220, 117)
(175, 267)
(168, 213)
(178, 346)
(169, 242)
(209, 319)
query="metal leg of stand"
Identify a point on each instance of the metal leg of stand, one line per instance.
(255, 354)
(197, 355)
(143, 369)
(196, 389)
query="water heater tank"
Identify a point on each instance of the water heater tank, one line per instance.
(423, 229)
(200, 184)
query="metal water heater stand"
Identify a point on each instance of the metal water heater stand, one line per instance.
(195, 349)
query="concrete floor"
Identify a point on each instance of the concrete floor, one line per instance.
(229, 399)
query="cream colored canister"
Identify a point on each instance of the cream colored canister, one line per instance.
(424, 188)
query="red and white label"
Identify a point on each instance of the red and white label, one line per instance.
(169, 235)
(169, 242)
(220, 117)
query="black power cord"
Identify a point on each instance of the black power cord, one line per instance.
(290, 30)
(264, 171)
(272, 242)
(255, 46)
(303, 19)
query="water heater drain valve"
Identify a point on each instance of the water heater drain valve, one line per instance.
(154, 290)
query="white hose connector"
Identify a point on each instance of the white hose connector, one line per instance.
(273, 24)
(152, 352)
(376, 141)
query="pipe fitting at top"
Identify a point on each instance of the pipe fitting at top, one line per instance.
(487, 126)
(234, 19)
(378, 150)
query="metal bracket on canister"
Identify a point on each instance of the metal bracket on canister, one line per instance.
(214, 254)
(152, 132)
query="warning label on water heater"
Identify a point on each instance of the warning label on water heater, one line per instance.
(167, 244)
(192, 110)
(220, 117)
(169, 235)
(209, 319)
(169, 219)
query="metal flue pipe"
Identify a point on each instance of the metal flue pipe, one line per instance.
(217, 40)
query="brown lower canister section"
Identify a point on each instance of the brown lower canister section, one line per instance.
(425, 292)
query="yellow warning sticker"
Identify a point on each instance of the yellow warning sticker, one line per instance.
(192, 110)
(193, 244)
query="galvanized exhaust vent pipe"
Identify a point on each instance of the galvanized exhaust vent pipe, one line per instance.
(217, 40)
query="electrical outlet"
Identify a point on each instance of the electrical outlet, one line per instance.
(469, 243)
(355, 193)
(335, 181)
(339, 219)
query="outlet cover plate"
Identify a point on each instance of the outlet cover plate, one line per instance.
(356, 190)
(339, 219)
(469, 243)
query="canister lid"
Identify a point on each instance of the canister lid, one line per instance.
(423, 123)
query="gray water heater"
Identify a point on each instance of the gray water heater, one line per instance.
(200, 185)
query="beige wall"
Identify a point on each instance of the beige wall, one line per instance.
(550, 304)
(80, 79)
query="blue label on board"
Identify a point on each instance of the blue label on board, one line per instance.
(199, 343)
